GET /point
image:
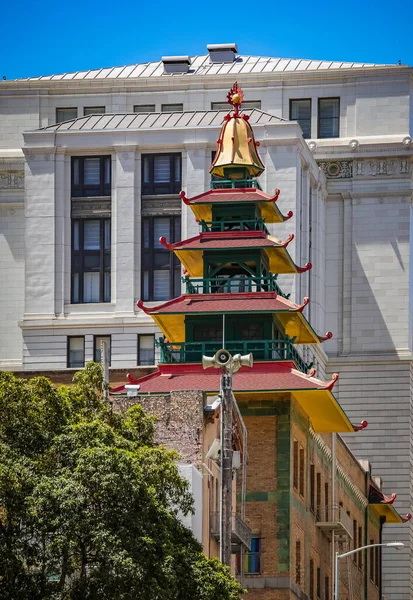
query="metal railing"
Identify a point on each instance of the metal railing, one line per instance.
(217, 184)
(231, 285)
(234, 225)
(335, 517)
(192, 352)
(241, 533)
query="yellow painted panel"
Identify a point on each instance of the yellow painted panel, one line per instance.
(172, 326)
(280, 261)
(202, 212)
(387, 511)
(192, 260)
(324, 411)
(296, 325)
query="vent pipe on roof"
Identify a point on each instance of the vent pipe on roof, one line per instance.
(176, 64)
(222, 53)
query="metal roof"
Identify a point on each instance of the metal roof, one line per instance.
(202, 65)
(198, 118)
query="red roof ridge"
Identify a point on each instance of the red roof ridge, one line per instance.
(234, 235)
(310, 376)
(262, 196)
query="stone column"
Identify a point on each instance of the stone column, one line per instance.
(40, 232)
(123, 230)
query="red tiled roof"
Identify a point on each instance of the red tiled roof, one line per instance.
(212, 303)
(231, 195)
(228, 239)
(268, 376)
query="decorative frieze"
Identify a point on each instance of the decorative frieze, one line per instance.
(161, 205)
(344, 169)
(11, 179)
(340, 169)
(83, 208)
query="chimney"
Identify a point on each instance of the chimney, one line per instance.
(222, 53)
(176, 64)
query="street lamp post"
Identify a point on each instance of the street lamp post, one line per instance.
(338, 556)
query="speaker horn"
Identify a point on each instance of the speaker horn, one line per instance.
(208, 361)
(222, 357)
(247, 360)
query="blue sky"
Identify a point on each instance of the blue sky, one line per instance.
(45, 37)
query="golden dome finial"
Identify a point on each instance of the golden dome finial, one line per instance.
(236, 156)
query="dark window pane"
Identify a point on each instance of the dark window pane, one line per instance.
(94, 110)
(76, 352)
(146, 349)
(144, 108)
(172, 107)
(161, 174)
(91, 235)
(300, 110)
(328, 117)
(65, 114)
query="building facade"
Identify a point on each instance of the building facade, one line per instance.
(85, 196)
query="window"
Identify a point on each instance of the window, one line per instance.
(252, 559)
(94, 110)
(326, 501)
(312, 488)
(327, 587)
(377, 572)
(318, 583)
(298, 562)
(328, 117)
(318, 495)
(311, 579)
(90, 260)
(355, 528)
(161, 174)
(172, 107)
(65, 114)
(146, 349)
(75, 352)
(295, 465)
(248, 104)
(302, 471)
(161, 269)
(300, 110)
(96, 347)
(360, 554)
(144, 108)
(91, 176)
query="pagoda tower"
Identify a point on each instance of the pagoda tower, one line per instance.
(233, 300)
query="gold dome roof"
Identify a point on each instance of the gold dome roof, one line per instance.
(236, 156)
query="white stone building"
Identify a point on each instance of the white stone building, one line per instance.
(84, 197)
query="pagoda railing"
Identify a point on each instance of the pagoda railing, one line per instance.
(192, 352)
(219, 184)
(232, 285)
(234, 225)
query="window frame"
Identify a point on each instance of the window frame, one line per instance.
(153, 188)
(292, 100)
(66, 108)
(256, 554)
(319, 101)
(139, 361)
(99, 112)
(82, 190)
(175, 104)
(69, 338)
(301, 472)
(82, 253)
(298, 578)
(148, 259)
(295, 465)
(95, 346)
(245, 105)
(135, 106)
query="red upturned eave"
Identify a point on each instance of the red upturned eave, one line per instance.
(227, 303)
(264, 376)
(237, 195)
(228, 239)
(383, 506)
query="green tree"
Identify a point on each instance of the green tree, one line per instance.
(89, 502)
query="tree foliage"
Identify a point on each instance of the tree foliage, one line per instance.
(89, 502)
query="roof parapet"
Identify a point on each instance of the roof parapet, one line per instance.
(222, 53)
(176, 64)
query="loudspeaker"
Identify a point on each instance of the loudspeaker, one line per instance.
(247, 360)
(222, 357)
(208, 361)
